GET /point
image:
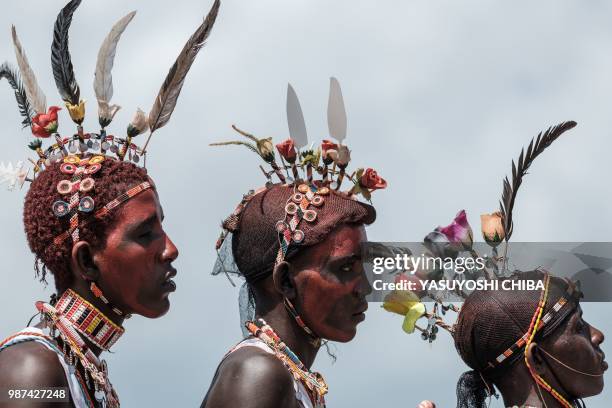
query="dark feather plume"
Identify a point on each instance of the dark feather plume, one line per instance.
(168, 94)
(12, 76)
(519, 170)
(60, 55)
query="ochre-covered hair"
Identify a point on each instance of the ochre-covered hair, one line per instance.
(42, 226)
(255, 241)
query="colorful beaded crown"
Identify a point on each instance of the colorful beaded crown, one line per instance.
(83, 154)
(299, 163)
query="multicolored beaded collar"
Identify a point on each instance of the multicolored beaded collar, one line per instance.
(88, 320)
(313, 382)
(75, 315)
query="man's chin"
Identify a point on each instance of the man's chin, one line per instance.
(156, 310)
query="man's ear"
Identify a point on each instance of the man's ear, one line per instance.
(82, 262)
(283, 280)
(534, 357)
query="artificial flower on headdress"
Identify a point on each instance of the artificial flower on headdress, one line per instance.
(265, 147)
(407, 304)
(139, 124)
(311, 157)
(343, 156)
(45, 124)
(76, 111)
(366, 181)
(106, 112)
(329, 151)
(12, 176)
(459, 231)
(287, 150)
(492, 228)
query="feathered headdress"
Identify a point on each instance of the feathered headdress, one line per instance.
(301, 162)
(43, 121)
(456, 238)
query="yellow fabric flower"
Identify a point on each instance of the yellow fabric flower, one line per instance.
(77, 112)
(407, 304)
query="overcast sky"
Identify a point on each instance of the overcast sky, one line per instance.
(440, 97)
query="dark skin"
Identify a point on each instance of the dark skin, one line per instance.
(327, 285)
(577, 345)
(134, 271)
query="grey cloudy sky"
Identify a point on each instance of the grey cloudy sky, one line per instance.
(440, 97)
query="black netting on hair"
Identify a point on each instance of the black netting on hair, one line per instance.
(491, 321)
(472, 391)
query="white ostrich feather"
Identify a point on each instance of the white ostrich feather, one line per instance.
(103, 80)
(35, 94)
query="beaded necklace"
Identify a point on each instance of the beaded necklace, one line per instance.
(74, 347)
(314, 382)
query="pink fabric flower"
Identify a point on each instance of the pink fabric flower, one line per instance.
(459, 231)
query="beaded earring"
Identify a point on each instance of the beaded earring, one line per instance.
(97, 292)
(314, 339)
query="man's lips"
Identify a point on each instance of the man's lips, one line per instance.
(604, 364)
(361, 309)
(168, 284)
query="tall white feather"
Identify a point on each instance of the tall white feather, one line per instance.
(336, 114)
(35, 94)
(295, 119)
(103, 79)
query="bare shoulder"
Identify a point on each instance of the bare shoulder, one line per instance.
(30, 365)
(250, 377)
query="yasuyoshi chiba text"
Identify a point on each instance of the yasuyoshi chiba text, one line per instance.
(461, 285)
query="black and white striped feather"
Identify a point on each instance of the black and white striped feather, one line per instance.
(12, 76)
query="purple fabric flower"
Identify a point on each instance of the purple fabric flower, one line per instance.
(459, 231)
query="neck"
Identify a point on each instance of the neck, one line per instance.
(85, 293)
(291, 333)
(519, 388)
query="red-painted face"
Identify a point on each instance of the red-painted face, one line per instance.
(576, 344)
(332, 284)
(136, 264)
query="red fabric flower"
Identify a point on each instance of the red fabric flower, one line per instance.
(371, 180)
(287, 150)
(327, 145)
(45, 124)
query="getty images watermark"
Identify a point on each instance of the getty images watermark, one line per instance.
(411, 264)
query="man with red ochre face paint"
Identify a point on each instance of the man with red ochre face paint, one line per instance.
(298, 246)
(94, 221)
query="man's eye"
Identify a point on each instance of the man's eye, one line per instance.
(346, 267)
(145, 234)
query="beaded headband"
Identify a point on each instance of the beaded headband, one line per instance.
(569, 299)
(299, 162)
(82, 155)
